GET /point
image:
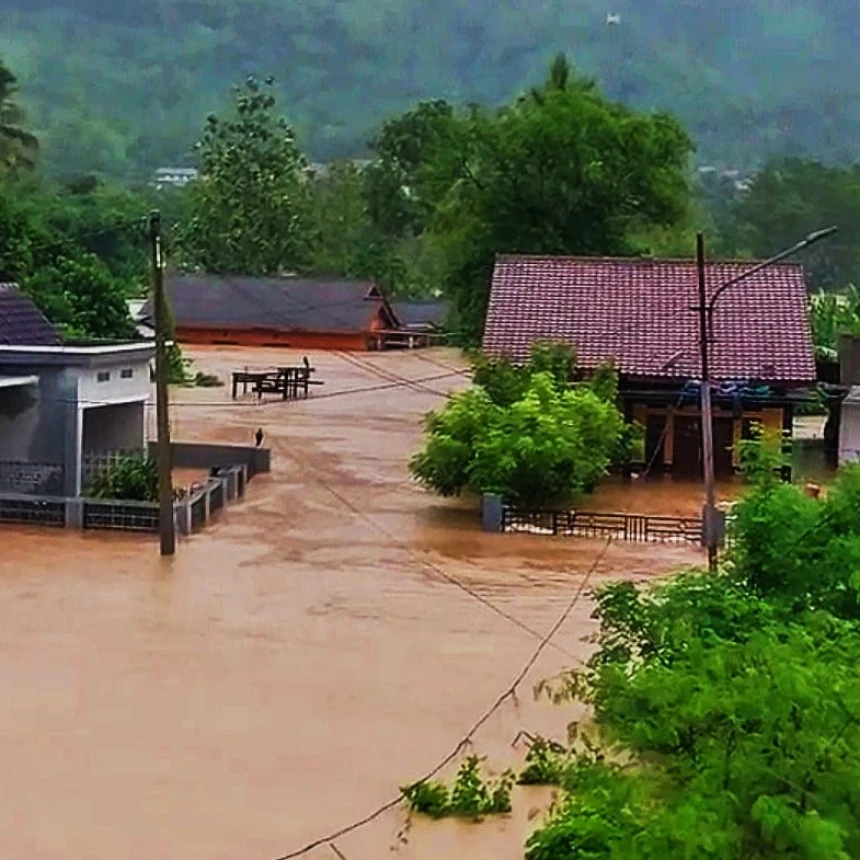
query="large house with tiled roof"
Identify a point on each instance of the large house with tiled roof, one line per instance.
(639, 314)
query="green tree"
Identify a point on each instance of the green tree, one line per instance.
(249, 211)
(789, 199)
(540, 441)
(75, 290)
(18, 146)
(568, 172)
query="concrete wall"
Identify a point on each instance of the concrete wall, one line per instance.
(203, 455)
(38, 424)
(119, 382)
(849, 428)
(119, 427)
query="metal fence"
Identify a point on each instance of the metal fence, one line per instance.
(93, 462)
(628, 527)
(40, 479)
(124, 516)
(33, 511)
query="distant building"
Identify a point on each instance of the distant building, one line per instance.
(174, 177)
(304, 313)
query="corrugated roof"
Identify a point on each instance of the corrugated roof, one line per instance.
(638, 313)
(21, 322)
(292, 304)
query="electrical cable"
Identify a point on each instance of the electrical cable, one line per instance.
(476, 726)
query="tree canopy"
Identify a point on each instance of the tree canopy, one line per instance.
(249, 212)
(18, 145)
(528, 434)
(726, 708)
(749, 79)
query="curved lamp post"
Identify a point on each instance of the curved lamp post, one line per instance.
(706, 314)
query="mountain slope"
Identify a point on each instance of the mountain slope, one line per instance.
(123, 87)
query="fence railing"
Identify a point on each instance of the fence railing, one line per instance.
(94, 462)
(40, 479)
(121, 515)
(192, 509)
(628, 527)
(39, 511)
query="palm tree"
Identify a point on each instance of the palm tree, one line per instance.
(18, 147)
(561, 76)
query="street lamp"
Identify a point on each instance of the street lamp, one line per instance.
(706, 314)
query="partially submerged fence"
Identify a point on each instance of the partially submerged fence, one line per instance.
(192, 510)
(627, 527)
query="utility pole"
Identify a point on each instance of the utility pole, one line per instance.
(710, 521)
(710, 510)
(162, 400)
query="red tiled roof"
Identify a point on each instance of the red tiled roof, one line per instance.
(638, 312)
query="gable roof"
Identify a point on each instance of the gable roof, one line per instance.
(422, 315)
(638, 313)
(21, 322)
(293, 304)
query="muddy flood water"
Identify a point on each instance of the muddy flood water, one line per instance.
(294, 664)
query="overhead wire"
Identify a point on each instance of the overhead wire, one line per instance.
(510, 691)
(466, 739)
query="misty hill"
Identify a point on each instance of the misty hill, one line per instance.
(123, 87)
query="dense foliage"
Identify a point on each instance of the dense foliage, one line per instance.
(727, 708)
(113, 87)
(527, 434)
(787, 200)
(470, 796)
(132, 479)
(249, 212)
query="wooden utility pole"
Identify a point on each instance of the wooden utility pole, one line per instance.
(709, 513)
(166, 526)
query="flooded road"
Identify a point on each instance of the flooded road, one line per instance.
(327, 640)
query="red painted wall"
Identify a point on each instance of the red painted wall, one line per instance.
(260, 337)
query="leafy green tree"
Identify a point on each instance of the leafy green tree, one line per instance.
(249, 211)
(529, 435)
(789, 199)
(401, 199)
(18, 146)
(568, 172)
(78, 294)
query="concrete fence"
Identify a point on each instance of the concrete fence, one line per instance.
(230, 468)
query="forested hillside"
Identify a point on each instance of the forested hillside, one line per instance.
(122, 87)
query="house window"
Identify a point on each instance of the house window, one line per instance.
(103, 376)
(127, 373)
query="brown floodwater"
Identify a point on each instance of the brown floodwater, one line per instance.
(295, 663)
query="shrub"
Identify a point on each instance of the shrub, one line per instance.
(469, 797)
(526, 433)
(132, 479)
(207, 380)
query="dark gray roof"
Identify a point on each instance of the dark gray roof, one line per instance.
(422, 314)
(297, 304)
(21, 322)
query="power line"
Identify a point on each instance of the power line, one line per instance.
(476, 726)
(255, 405)
(425, 561)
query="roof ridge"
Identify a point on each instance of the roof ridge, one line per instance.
(579, 258)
